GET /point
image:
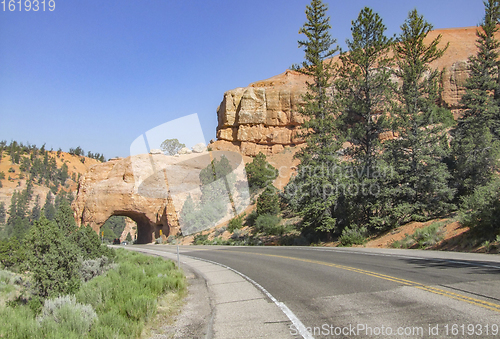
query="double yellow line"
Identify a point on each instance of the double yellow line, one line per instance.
(456, 296)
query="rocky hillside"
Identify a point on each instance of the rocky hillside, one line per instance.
(263, 116)
(16, 178)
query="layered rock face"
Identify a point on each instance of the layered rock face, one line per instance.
(263, 117)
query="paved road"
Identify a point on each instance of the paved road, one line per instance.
(346, 293)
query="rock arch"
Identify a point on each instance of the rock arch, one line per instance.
(110, 189)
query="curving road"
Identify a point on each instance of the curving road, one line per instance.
(347, 293)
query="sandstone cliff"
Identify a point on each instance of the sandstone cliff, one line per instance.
(263, 117)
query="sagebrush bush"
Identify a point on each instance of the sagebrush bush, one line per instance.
(422, 237)
(219, 231)
(92, 268)
(68, 314)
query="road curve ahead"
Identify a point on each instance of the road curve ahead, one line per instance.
(362, 293)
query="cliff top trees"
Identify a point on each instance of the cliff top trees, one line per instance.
(171, 146)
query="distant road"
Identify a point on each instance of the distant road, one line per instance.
(347, 293)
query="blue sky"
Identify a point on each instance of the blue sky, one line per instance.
(99, 74)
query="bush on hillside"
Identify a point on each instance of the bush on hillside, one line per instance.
(268, 202)
(260, 173)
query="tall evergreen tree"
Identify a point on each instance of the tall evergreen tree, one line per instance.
(65, 219)
(476, 142)
(3, 213)
(476, 137)
(35, 211)
(419, 187)
(315, 197)
(364, 90)
(49, 209)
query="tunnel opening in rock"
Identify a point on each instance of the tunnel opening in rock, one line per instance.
(119, 227)
(141, 229)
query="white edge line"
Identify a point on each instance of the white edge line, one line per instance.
(299, 326)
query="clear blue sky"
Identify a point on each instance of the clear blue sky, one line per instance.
(98, 74)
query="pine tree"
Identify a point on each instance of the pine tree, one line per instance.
(476, 142)
(364, 90)
(260, 173)
(65, 219)
(476, 138)
(52, 272)
(3, 213)
(419, 187)
(268, 202)
(35, 211)
(49, 209)
(315, 197)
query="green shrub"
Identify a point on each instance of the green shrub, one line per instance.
(52, 272)
(250, 221)
(125, 297)
(140, 307)
(12, 254)
(406, 242)
(200, 239)
(236, 223)
(422, 237)
(428, 236)
(268, 202)
(269, 224)
(353, 236)
(481, 209)
(89, 244)
(18, 322)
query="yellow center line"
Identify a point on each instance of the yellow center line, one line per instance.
(452, 295)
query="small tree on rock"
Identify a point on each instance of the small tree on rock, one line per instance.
(171, 146)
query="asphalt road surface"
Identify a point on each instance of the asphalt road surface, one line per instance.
(349, 293)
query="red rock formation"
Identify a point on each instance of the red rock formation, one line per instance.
(263, 117)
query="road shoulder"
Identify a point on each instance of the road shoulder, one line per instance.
(222, 304)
